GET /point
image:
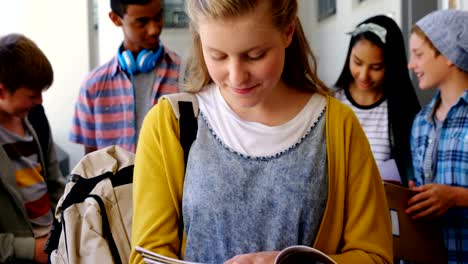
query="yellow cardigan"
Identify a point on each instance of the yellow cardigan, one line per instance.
(355, 227)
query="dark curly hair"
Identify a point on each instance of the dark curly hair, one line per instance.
(120, 6)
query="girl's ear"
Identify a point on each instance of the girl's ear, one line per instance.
(289, 33)
(116, 19)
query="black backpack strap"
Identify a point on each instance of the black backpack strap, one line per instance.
(54, 238)
(123, 176)
(39, 122)
(188, 127)
(188, 132)
(107, 230)
(80, 191)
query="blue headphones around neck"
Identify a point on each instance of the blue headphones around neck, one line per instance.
(145, 61)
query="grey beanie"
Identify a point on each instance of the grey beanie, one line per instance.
(448, 31)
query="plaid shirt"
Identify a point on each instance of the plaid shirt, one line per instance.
(105, 110)
(451, 169)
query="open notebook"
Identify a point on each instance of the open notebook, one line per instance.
(290, 255)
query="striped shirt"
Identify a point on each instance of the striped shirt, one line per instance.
(374, 122)
(105, 112)
(451, 168)
(23, 153)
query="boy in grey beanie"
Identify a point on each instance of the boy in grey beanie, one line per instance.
(448, 31)
(439, 139)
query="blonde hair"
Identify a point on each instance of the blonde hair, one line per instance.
(300, 67)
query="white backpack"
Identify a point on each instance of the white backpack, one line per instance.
(94, 215)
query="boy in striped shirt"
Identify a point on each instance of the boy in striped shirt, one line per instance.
(115, 97)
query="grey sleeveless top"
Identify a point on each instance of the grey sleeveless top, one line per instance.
(235, 204)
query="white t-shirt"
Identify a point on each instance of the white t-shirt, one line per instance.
(374, 121)
(252, 138)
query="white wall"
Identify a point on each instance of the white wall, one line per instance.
(59, 28)
(328, 37)
(464, 5)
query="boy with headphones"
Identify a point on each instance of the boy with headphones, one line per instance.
(30, 180)
(115, 97)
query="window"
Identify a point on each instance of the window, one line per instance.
(326, 8)
(174, 15)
